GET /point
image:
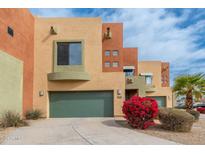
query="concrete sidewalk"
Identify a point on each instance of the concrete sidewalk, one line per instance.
(81, 131)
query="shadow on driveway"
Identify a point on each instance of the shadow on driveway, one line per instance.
(116, 123)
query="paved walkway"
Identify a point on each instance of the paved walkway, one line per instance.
(80, 131)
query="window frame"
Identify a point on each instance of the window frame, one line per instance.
(66, 68)
(129, 73)
(105, 64)
(69, 52)
(117, 63)
(146, 76)
(113, 51)
(109, 53)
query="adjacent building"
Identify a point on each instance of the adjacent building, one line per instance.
(74, 67)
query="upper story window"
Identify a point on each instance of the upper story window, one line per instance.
(107, 64)
(69, 53)
(115, 64)
(107, 53)
(10, 31)
(148, 79)
(115, 53)
(129, 72)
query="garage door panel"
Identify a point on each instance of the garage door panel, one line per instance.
(161, 100)
(81, 104)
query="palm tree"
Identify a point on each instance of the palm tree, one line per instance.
(190, 86)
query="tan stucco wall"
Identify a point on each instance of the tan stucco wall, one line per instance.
(155, 68)
(11, 83)
(87, 29)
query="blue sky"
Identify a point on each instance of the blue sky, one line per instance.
(173, 35)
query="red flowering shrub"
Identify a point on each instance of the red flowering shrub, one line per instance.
(140, 111)
(201, 109)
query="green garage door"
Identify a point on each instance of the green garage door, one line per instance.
(81, 104)
(161, 100)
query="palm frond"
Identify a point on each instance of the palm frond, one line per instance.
(185, 83)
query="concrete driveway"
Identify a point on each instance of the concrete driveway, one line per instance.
(80, 131)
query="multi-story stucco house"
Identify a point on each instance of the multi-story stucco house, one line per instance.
(72, 67)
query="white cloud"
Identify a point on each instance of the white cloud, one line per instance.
(155, 33)
(53, 12)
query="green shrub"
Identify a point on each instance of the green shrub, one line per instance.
(175, 119)
(12, 119)
(196, 114)
(35, 114)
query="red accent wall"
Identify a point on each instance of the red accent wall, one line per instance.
(21, 45)
(115, 43)
(165, 74)
(127, 56)
(130, 58)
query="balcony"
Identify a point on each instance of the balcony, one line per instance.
(80, 76)
(150, 88)
(135, 82)
(138, 82)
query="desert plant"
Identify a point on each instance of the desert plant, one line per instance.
(34, 114)
(189, 86)
(196, 114)
(140, 112)
(12, 119)
(175, 119)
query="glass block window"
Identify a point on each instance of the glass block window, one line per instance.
(115, 64)
(107, 53)
(107, 64)
(115, 53)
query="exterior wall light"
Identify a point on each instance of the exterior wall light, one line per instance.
(41, 93)
(119, 92)
(53, 31)
(108, 34)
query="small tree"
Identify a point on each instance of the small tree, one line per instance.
(190, 86)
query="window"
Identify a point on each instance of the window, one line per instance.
(115, 64)
(107, 64)
(115, 53)
(107, 53)
(129, 72)
(148, 79)
(69, 53)
(10, 31)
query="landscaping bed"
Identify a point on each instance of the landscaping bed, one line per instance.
(195, 136)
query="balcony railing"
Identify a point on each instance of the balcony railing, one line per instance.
(150, 88)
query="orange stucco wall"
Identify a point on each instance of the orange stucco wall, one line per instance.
(21, 45)
(130, 58)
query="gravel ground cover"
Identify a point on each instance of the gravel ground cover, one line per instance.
(4, 133)
(196, 136)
